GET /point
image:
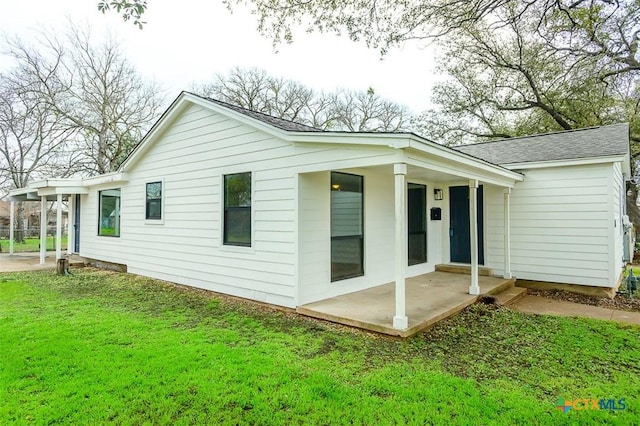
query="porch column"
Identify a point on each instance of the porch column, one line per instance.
(400, 320)
(43, 229)
(59, 227)
(12, 220)
(507, 233)
(70, 219)
(474, 288)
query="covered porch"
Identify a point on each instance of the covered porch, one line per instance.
(430, 298)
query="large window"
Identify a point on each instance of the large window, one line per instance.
(237, 209)
(417, 223)
(109, 220)
(153, 209)
(347, 230)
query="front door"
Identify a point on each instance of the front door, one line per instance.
(76, 224)
(459, 232)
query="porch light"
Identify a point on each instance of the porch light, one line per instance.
(437, 194)
(335, 186)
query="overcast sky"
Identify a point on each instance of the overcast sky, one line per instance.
(191, 40)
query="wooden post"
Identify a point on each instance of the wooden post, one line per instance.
(62, 267)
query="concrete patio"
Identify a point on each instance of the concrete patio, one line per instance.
(31, 261)
(430, 298)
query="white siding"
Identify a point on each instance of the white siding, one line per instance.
(191, 158)
(561, 226)
(619, 198)
(379, 234)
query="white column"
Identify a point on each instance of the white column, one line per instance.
(71, 217)
(474, 288)
(43, 229)
(507, 233)
(400, 320)
(59, 227)
(12, 224)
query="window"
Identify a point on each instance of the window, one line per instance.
(417, 223)
(237, 209)
(347, 230)
(109, 220)
(153, 210)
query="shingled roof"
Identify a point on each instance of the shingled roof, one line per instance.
(591, 142)
(280, 123)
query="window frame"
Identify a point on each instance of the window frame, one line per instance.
(147, 219)
(425, 223)
(225, 210)
(360, 238)
(118, 221)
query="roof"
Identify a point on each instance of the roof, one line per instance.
(602, 141)
(280, 123)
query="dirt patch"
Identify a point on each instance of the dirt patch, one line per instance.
(620, 301)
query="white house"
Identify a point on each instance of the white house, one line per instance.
(234, 201)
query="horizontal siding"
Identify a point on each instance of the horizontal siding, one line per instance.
(191, 157)
(560, 225)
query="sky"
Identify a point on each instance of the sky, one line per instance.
(189, 43)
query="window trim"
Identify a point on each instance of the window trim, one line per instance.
(119, 222)
(159, 221)
(361, 237)
(243, 247)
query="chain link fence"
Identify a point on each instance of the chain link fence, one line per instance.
(28, 239)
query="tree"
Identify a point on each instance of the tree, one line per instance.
(94, 90)
(32, 141)
(340, 110)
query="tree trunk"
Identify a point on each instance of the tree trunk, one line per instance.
(18, 224)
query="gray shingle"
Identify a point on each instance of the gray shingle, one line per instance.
(280, 123)
(569, 145)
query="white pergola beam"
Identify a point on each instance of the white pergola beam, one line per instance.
(400, 320)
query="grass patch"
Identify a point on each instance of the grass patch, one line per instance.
(30, 245)
(101, 347)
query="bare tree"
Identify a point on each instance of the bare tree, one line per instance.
(94, 90)
(343, 109)
(33, 141)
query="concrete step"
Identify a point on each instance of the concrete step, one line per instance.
(463, 269)
(510, 295)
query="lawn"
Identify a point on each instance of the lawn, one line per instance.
(100, 347)
(30, 245)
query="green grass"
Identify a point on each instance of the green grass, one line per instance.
(30, 245)
(101, 347)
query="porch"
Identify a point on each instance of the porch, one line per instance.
(430, 298)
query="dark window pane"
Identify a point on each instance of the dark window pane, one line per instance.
(237, 190)
(109, 220)
(347, 226)
(154, 201)
(417, 223)
(346, 257)
(237, 209)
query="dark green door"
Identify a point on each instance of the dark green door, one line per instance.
(459, 233)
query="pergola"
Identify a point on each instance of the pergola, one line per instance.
(57, 190)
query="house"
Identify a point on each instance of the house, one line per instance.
(234, 201)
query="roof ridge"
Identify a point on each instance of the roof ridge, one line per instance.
(249, 112)
(539, 135)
